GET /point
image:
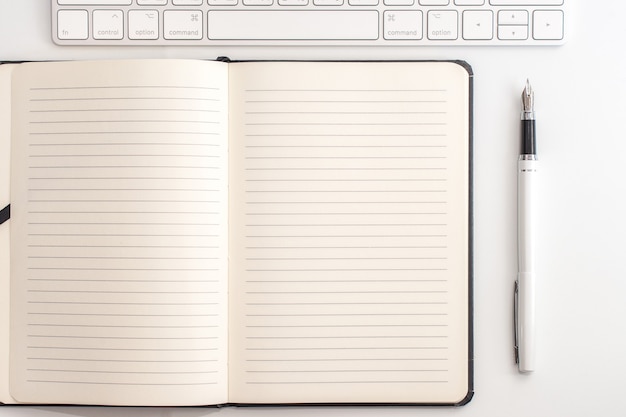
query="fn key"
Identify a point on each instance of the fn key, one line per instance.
(72, 24)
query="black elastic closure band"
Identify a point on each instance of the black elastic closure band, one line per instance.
(5, 214)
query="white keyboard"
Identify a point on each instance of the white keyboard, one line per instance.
(310, 22)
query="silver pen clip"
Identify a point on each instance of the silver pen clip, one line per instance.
(515, 320)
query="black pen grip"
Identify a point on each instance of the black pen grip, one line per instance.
(529, 146)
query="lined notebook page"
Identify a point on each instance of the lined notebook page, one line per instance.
(119, 233)
(349, 232)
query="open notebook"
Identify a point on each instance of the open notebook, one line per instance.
(203, 233)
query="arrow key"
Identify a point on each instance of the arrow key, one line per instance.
(513, 17)
(548, 24)
(513, 33)
(477, 25)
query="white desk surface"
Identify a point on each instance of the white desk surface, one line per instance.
(581, 109)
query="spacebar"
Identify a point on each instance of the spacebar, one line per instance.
(293, 25)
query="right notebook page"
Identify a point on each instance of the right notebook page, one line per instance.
(349, 232)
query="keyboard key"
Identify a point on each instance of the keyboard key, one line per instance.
(513, 17)
(362, 2)
(548, 24)
(151, 2)
(526, 2)
(95, 2)
(223, 2)
(469, 2)
(187, 2)
(328, 2)
(73, 24)
(293, 2)
(442, 25)
(108, 24)
(143, 24)
(182, 24)
(288, 24)
(512, 33)
(402, 24)
(434, 2)
(477, 24)
(258, 2)
(399, 2)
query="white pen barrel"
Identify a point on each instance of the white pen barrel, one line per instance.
(526, 178)
(526, 263)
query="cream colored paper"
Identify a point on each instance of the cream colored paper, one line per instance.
(349, 232)
(118, 256)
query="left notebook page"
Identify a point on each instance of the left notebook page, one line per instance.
(119, 233)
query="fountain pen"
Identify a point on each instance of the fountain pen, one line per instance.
(525, 283)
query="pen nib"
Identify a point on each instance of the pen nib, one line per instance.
(528, 98)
